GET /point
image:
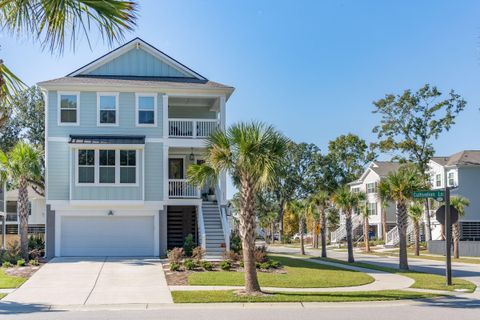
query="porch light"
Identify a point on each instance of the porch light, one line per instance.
(110, 213)
(192, 156)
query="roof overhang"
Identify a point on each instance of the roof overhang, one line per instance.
(107, 139)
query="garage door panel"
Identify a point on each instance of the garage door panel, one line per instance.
(107, 236)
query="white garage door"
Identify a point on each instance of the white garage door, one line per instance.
(107, 236)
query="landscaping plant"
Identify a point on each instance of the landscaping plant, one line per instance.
(20, 263)
(175, 255)
(225, 265)
(188, 245)
(197, 254)
(189, 264)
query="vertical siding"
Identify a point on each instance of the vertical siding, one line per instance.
(138, 62)
(58, 171)
(154, 172)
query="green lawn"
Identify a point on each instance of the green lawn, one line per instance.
(7, 282)
(231, 296)
(300, 274)
(425, 256)
(422, 280)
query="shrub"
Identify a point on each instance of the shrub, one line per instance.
(242, 264)
(7, 264)
(274, 264)
(207, 265)
(34, 262)
(188, 245)
(13, 252)
(197, 254)
(20, 262)
(189, 264)
(235, 242)
(264, 265)
(261, 254)
(36, 241)
(35, 254)
(174, 266)
(232, 256)
(175, 255)
(225, 265)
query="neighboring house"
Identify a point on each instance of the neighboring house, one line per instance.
(462, 173)
(36, 218)
(121, 133)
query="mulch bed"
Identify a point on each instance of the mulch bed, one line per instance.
(24, 272)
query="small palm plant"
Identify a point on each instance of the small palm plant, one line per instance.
(415, 212)
(251, 153)
(459, 203)
(21, 166)
(399, 186)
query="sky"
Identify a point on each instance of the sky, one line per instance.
(310, 68)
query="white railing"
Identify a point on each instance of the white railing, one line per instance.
(180, 188)
(201, 229)
(341, 233)
(191, 128)
(393, 239)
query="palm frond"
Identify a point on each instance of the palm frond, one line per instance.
(201, 174)
(10, 87)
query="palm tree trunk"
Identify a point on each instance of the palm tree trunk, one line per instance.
(273, 232)
(348, 225)
(23, 217)
(366, 229)
(416, 235)
(428, 227)
(402, 223)
(280, 218)
(316, 226)
(456, 240)
(384, 222)
(323, 232)
(247, 232)
(302, 242)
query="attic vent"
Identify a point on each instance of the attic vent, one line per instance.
(137, 45)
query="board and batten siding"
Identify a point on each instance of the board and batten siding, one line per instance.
(191, 112)
(88, 117)
(137, 62)
(58, 170)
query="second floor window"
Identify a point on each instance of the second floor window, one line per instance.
(68, 108)
(107, 166)
(107, 109)
(438, 180)
(372, 208)
(86, 166)
(371, 187)
(451, 179)
(128, 159)
(146, 110)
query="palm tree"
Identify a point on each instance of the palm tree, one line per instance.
(301, 209)
(47, 22)
(346, 201)
(398, 186)
(383, 207)
(365, 213)
(21, 166)
(415, 212)
(321, 201)
(458, 203)
(251, 154)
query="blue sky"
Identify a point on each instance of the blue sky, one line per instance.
(311, 68)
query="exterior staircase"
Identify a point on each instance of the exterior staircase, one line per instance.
(392, 238)
(340, 234)
(214, 235)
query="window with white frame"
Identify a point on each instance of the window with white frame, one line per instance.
(371, 187)
(451, 179)
(372, 208)
(68, 108)
(438, 180)
(355, 190)
(146, 110)
(107, 166)
(86, 166)
(128, 166)
(107, 109)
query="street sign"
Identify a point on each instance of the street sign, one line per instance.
(436, 194)
(440, 215)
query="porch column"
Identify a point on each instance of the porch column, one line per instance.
(223, 175)
(50, 233)
(162, 221)
(165, 172)
(223, 115)
(165, 115)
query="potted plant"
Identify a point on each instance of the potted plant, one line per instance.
(211, 195)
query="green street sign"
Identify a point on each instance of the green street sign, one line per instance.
(436, 194)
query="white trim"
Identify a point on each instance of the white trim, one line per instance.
(107, 146)
(165, 115)
(45, 96)
(57, 139)
(133, 45)
(117, 118)
(70, 93)
(76, 205)
(155, 140)
(177, 156)
(155, 109)
(165, 171)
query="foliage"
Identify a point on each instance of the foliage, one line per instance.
(7, 264)
(206, 265)
(20, 263)
(459, 203)
(188, 245)
(34, 262)
(290, 224)
(415, 212)
(232, 256)
(13, 252)
(189, 264)
(175, 255)
(261, 254)
(235, 242)
(225, 265)
(400, 185)
(333, 218)
(197, 254)
(174, 266)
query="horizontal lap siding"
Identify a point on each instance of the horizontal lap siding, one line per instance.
(58, 171)
(154, 171)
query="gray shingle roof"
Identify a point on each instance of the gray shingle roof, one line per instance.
(383, 168)
(462, 158)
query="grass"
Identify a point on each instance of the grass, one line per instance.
(299, 274)
(230, 296)
(7, 282)
(425, 256)
(422, 280)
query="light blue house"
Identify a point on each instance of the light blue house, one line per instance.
(120, 134)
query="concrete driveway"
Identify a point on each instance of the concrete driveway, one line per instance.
(95, 281)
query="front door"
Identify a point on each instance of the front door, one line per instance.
(175, 168)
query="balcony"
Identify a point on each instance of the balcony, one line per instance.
(191, 128)
(180, 189)
(11, 217)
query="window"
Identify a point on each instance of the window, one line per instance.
(356, 190)
(86, 166)
(438, 180)
(371, 187)
(372, 208)
(451, 179)
(107, 109)
(128, 169)
(107, 166)
(146, 110)
(68, 109)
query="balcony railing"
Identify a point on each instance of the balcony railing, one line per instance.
(191, 128)
(11, 217)
(180, 188)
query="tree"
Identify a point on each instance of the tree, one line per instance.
(399, 186)
(300, 208)
(267, 213)
(350, 154)
(333, 218)
(409, 124)
(459, 203)
(321, 201)
(49, 22)
(346, 201)
(365, 213)
(415, 212)
(251, 154)
(21, 165)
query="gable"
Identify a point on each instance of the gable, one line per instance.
(138, 63)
